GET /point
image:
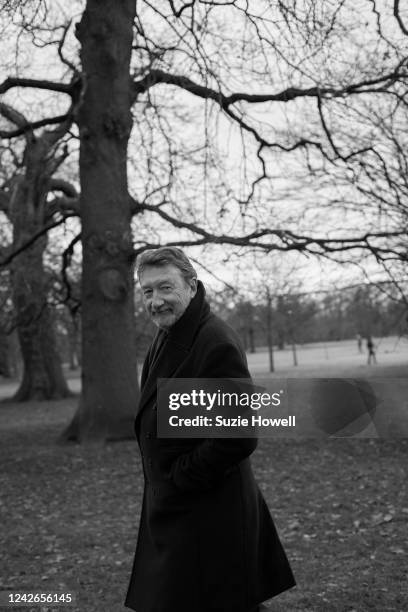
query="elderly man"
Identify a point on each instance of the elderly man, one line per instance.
(207, 542)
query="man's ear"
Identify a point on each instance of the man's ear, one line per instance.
(193, 286)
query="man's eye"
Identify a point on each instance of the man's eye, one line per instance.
(166, 287)
(147, 293)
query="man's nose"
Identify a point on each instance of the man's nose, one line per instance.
(157, 300)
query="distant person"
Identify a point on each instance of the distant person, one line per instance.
(371, 351)
(207, 542)
(359, 343)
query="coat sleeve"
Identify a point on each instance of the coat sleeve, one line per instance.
(212, 459)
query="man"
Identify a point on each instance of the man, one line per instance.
(371, 351)
(207, 542)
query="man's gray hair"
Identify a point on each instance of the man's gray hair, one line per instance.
(164, 256)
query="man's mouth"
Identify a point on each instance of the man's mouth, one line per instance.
(160, 312)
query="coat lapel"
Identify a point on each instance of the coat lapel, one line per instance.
(175, 347)
(163, 367)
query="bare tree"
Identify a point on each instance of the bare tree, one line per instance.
(269, 76)
(24, 201)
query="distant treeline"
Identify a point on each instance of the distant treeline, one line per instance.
(301, 318)
(367, 310)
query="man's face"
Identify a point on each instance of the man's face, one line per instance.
(166, 294)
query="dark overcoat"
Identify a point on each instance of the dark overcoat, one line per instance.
(206, 542)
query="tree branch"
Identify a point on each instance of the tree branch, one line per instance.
(11, 82)
(399, 18)
(287, 240)
(4, 201)
(63, 59)
(28, 127)
(178, 13)
(325, 127)
(72, 302)
(9, 258)
(156, 76)
(69, 206)
(12, 115)
(67, 188)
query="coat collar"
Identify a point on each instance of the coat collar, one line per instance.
(176, 344)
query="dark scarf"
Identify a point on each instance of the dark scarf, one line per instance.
(182, 333)
(184, 330)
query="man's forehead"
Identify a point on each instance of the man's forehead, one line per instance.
(159, 273)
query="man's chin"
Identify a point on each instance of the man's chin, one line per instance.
(164, 321)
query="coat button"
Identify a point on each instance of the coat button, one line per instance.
(148, 435)
(150, 462)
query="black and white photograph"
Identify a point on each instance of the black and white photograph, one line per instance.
(204, 305)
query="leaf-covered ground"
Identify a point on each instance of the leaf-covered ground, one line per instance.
(69, 515)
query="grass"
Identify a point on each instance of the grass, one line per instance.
(69, 515)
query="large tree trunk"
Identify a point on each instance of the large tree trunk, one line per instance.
(5, 369)
(74, 343)
(43, 378)
(109, 376)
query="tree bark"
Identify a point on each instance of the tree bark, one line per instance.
(294, 353)
(269, 330)
(109, 371)
(5, 369)
(43, 378)
(74, 343)
(251, 340)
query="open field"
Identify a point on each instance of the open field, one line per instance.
(336, 359)
(69, 514)
(314, 360)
